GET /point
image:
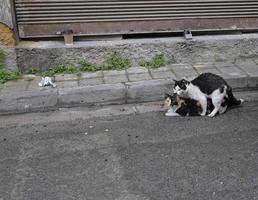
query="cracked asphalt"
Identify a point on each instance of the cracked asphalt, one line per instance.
(144, 156)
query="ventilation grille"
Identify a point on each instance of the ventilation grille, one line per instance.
(68, 11)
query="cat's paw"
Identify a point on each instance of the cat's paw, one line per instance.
(211, 115)
(203, 114)
(171, 114)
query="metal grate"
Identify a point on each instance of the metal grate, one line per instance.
(40, 12)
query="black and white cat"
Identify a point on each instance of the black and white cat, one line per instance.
(207, 85)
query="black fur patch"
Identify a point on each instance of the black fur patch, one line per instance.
(208, 82)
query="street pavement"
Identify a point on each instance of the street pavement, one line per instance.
(133, 85)
(139, 156)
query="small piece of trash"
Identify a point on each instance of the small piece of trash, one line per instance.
(91, 126)
(86, 133)
(106, 130)
(46, 81)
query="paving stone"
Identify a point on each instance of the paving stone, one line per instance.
(251, 70)
(208, 69)
(203, 65)
(92, 95)
(139, 77)
(163, 75)
(223, 64)
(232, 72)
(114, 73)
(185, 71)
(137, 70)
(143, 91)
(88, 75)
(15, 86)
(245, 62)
(255, 60)
(252, 82)
(66, 77)
(237, 82)
(67, 84)
(91, 81)
(29, 77)
(160, 69)
(33, 85)
(28, 101)
(180, 66)
(116, 79)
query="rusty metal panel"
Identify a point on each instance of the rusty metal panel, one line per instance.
(42, 18)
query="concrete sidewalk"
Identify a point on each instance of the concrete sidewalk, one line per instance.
(134, 85)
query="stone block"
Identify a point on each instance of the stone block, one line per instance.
(231, 72)
(237, 83)
(203, 65)
(252, 82)
(162, 73)
(208, 69)
(242, 62)
(92, 95)
(66, 77)
(251, 70)
(28, 101)
(87, 75)
(115, 79)
(15, 86)
(67, 84)
(139, 77)
(91, 81)
(114, 73)
(223, 64)
(137, 70)
(144, 91)
(184, 72)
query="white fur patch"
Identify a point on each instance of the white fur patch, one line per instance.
(171, 113)
(177, 89)
(217, 98)
(195, 93)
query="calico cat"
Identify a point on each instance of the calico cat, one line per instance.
(180, 106)
(207, 85)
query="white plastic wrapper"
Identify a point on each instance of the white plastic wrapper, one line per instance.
(46, 81)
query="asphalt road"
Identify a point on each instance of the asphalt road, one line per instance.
(135, 157)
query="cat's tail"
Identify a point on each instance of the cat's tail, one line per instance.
(232, 101)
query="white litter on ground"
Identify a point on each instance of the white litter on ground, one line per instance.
(46, 81)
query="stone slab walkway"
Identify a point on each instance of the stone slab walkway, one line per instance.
(134, 85)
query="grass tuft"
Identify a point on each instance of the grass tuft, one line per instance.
(60, 69)
(87, 66)
(2, 58)
(115, 62)
(9, 75)
(157, 61)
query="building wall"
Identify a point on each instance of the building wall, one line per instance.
(5, 13)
